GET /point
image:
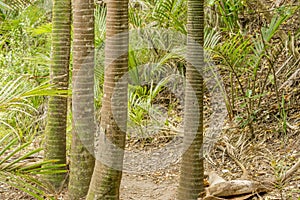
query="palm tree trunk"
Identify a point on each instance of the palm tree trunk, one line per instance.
(107, 174)
(55, 131)
(83, 124)
(191, 177)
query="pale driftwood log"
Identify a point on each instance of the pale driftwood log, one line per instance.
(233, 198)
(236, 187)
(211, 198)
(214, 178)
(220, 188)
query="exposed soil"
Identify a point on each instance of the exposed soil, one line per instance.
(263, 160)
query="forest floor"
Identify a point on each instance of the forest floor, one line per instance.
(150, 177)
(152, 163)
(263, 160)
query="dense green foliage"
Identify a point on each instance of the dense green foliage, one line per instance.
(256, 56)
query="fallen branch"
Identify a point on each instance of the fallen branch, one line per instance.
(234, 189)
(290, 172)
(245, 172)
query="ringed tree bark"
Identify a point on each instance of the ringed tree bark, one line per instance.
(192, 170)
(55, 131)
(107, 174)
(83, 124)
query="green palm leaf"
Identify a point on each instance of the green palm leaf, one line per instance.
(16, 4)
(4, 5)
(14, 98)
(19, 169)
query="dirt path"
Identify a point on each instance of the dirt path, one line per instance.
(143, 188)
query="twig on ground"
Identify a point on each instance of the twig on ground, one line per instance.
(245, 172)
(290, 172)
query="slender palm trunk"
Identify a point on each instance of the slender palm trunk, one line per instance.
(55, 141)
(107, 174)
(83, 123)
(191, 177)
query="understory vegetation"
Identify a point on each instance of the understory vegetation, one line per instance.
(252, 53)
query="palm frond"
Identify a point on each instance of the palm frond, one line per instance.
(17, 4)
(14, 97)
(276, 22)
(100, 22)
(3, 5)
(170, 14)
(19, 168)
